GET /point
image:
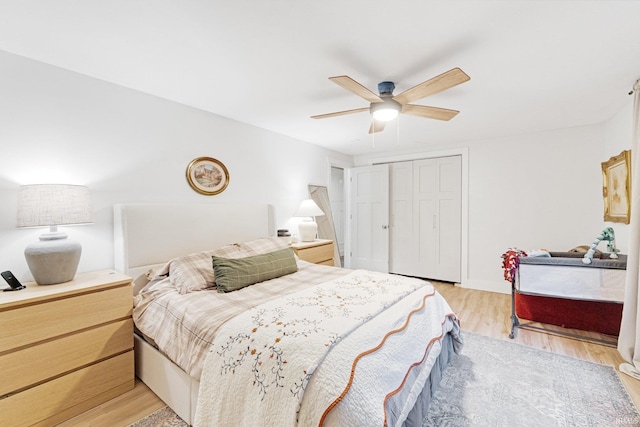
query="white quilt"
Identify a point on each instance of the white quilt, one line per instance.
(259, 369)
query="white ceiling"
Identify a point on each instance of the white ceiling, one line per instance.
(534, 65)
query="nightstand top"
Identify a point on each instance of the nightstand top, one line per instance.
(83, 282)
(317, 242)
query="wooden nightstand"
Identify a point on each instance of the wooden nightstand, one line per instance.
(318, 252)
(65, 348)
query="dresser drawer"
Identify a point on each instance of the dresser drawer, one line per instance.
(54, 401)
(34, 364)
(317, 254)
(31, 323)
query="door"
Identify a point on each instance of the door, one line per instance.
(402, 243)
(426, 218)
(369, 217)
(437, 216)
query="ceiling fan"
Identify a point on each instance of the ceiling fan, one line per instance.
(386, 106)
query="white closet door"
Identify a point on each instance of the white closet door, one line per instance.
(402, 245)
(369, 216)
(426, 218)
(437, 217)
(449, 218)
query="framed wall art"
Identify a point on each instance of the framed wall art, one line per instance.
(207, 176)
(616, 187)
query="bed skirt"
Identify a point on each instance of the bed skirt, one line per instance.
(421, 408)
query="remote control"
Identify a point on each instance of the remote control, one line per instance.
(12, 281)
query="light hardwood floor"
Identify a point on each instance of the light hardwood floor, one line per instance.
(485, 313)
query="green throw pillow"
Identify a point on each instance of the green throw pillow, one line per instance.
(235, 273)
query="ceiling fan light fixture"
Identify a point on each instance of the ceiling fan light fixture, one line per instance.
(385, 111)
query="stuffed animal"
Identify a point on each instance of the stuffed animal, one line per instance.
(610, 237)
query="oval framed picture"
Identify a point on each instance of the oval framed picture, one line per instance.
(207, 176)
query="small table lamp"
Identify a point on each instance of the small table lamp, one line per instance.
(54, 259)
(308, 228)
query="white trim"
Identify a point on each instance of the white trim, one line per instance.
(339, 163)
(346, 168)
(415, 156)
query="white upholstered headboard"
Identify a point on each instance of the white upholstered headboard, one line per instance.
(149, 234)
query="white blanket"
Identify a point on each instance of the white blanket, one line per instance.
(260, 363)
(374, 377)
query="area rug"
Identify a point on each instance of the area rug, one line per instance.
(500, 383)
(163, 417)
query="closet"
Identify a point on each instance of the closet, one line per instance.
(425, 218)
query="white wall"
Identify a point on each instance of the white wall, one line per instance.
(534, 191)
(61, 127)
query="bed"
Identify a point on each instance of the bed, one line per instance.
(372, 352)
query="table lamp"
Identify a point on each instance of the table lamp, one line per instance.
(54, 259)
(308, 228)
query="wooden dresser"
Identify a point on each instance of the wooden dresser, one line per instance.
(318, 252)
(65, 348)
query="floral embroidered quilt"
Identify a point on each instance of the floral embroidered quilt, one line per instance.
(260, 362)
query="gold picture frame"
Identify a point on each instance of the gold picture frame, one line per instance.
(207, 176)
(616, 188)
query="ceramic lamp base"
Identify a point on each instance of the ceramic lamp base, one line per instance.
(53, 261)
(308, 231)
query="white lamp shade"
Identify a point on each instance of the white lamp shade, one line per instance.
(308, 208)
(53, 204)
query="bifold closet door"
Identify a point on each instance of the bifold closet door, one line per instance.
(426, 218)
(403, 253)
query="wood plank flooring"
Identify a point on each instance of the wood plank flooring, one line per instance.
(485, 313)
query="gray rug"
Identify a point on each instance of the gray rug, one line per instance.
(164, 417)
(502, 384)
(499, 383)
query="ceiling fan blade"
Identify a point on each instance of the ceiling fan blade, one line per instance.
(340, 113)
(429, 112)
(437, 84)
(353, 86)
(376, 126)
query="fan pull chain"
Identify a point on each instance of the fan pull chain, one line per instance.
(398, 132)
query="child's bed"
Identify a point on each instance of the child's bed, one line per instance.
(562, 290)
(372, 347)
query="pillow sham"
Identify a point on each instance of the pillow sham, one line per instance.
(233, 274)
(263, 245)
(193, 272)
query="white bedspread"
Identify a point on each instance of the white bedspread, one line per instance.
(259, 369)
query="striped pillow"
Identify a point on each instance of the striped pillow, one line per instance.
(193, 272)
